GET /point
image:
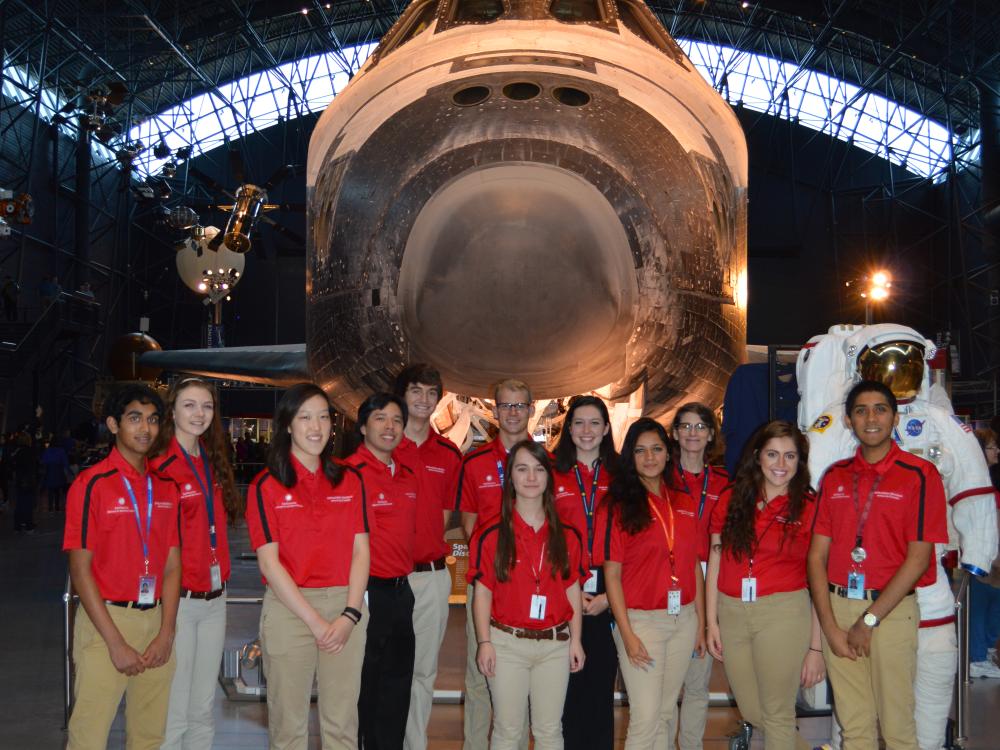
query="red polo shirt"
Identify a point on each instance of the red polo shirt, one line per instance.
(779, 559)
(197, 555)
(437, 462)
(644, 556)
(480, 483)
(512, 598)
(704, 495)
(100, 517)
(571, 502)
(908, 505)
(313, 523)
(392, 499)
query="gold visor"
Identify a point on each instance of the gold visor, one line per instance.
(897, 364)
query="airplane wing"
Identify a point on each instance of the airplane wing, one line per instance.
(279, 365)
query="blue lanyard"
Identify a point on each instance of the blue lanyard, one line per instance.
(206, 490)
(144, 538)
(588, 507)
(500, 471)
(704, 488)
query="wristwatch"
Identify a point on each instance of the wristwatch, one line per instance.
(870, 619)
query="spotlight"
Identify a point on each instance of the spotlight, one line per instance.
(184, 152)
(161, 150)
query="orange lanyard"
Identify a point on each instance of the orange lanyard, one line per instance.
(668, 530)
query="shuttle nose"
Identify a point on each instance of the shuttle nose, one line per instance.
(490, 234)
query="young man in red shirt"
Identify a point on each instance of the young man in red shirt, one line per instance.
(436, 461)
(124, 561)
(478, 496)
(879, 516)
(391, 486)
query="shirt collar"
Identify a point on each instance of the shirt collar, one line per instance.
(118, 461)
(521, 528)
(369, 457)
(302, 474)
(880, 467)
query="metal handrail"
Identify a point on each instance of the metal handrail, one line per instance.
(963, 677)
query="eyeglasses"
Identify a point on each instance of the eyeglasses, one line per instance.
(512, 406)
(688, 426)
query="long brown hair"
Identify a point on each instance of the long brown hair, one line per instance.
(556, 551)
(627, 495)
(739, 534)
(214, 439)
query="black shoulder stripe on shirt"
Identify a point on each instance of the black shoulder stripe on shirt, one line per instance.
(579, 540)
(406, 468)
(458, 492)
(479, 548)
(261, 509)
(364, 496)
(449, 445)
(923, 488)
(166, 463)
(84, 521)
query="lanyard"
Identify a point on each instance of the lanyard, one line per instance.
(500, 471)
(863, 512)
(588, 506)
(668, 533)
(760, 538)
(207, 491)
(704, 489)
(144, 538)
(537, 572)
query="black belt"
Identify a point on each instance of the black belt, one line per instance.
(133, 605)
(387, 583)
(558, 633)
(867, 594)
(425, 567)
(206, 595)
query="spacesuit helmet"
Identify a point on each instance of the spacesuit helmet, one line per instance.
(897, 364)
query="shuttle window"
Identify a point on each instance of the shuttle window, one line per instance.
(419, 24)
(575, 11)
(478, 11)
(633, 22)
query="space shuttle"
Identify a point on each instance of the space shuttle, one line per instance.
(540, 189)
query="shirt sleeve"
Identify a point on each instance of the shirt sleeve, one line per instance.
(577, 559)
(361, 509)
(261, 521)
(449, 482)
(482, 553)
(719, 512)
(465, 495)
(930, 524)
(174, 539)
(75, 509)
(822, 523)
(608, 537)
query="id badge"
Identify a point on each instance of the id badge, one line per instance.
(674, 602)
(855, 585)
(590, 585)
(215, 573)
(147, 590)
(749, 590)
(537, 607)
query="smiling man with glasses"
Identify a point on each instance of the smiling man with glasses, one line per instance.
(478, 496)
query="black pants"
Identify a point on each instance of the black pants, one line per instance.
(588, 716)
(24, 509)
(387, 673)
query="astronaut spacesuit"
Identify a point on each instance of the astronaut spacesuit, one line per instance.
(827, 368)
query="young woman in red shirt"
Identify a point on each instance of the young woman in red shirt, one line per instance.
(192, 450)
(647, 540)
(527, 566)
(308, 520)
(695, 458)
(760, 619)
(585, 460)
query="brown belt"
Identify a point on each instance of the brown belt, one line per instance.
(558, 633)
(869, 594)
(425, 567)
(206, 595)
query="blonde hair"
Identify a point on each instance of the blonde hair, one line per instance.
(511, 384)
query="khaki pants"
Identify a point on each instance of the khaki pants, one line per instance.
(763, 646)
(694, 705)
(528, 671)
(477, 711)
(876, 690)
(98, 687)
(652, 692)
(292, 659)
(201, 635)
(430, 620)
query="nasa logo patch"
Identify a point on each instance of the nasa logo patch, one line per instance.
(822, 422)
(914, 427)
